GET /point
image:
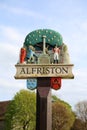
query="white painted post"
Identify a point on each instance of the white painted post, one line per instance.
(44, 44)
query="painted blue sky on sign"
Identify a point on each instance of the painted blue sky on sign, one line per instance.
(18, 18)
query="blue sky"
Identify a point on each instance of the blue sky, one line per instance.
(20, 17)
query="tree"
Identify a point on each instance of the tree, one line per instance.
(78, 125)
(21, 111)
(62, 116)
(54, 98)
(81, 113)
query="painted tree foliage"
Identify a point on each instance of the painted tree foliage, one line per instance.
(62, 116)
(52, 38)
(21, 112)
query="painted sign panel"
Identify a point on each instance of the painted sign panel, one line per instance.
(56, 83)
(31, 83)
(27, 71)
(44, 54)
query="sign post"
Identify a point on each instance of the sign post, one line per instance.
(44, 113)
(44, 62)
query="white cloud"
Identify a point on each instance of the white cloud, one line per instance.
(10, 33)
(10, 44)
(9, 87)
(84, 26)
(6, 83)
(22, 11)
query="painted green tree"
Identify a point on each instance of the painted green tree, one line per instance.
(52, 37)
(21, 111)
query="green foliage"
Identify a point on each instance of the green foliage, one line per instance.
(62, 116)
(52, 37)
(54, 98)
(21, 112)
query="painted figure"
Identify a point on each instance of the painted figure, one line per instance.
(46, 50)
(64, 55)
(30, 54)
(22, 55)
(56, 54)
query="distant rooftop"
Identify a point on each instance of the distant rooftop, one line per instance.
(3, 108)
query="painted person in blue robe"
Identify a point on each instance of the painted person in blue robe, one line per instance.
(31, 55)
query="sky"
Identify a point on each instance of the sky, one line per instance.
(20, 17)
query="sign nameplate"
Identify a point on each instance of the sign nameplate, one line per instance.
(25, 71)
